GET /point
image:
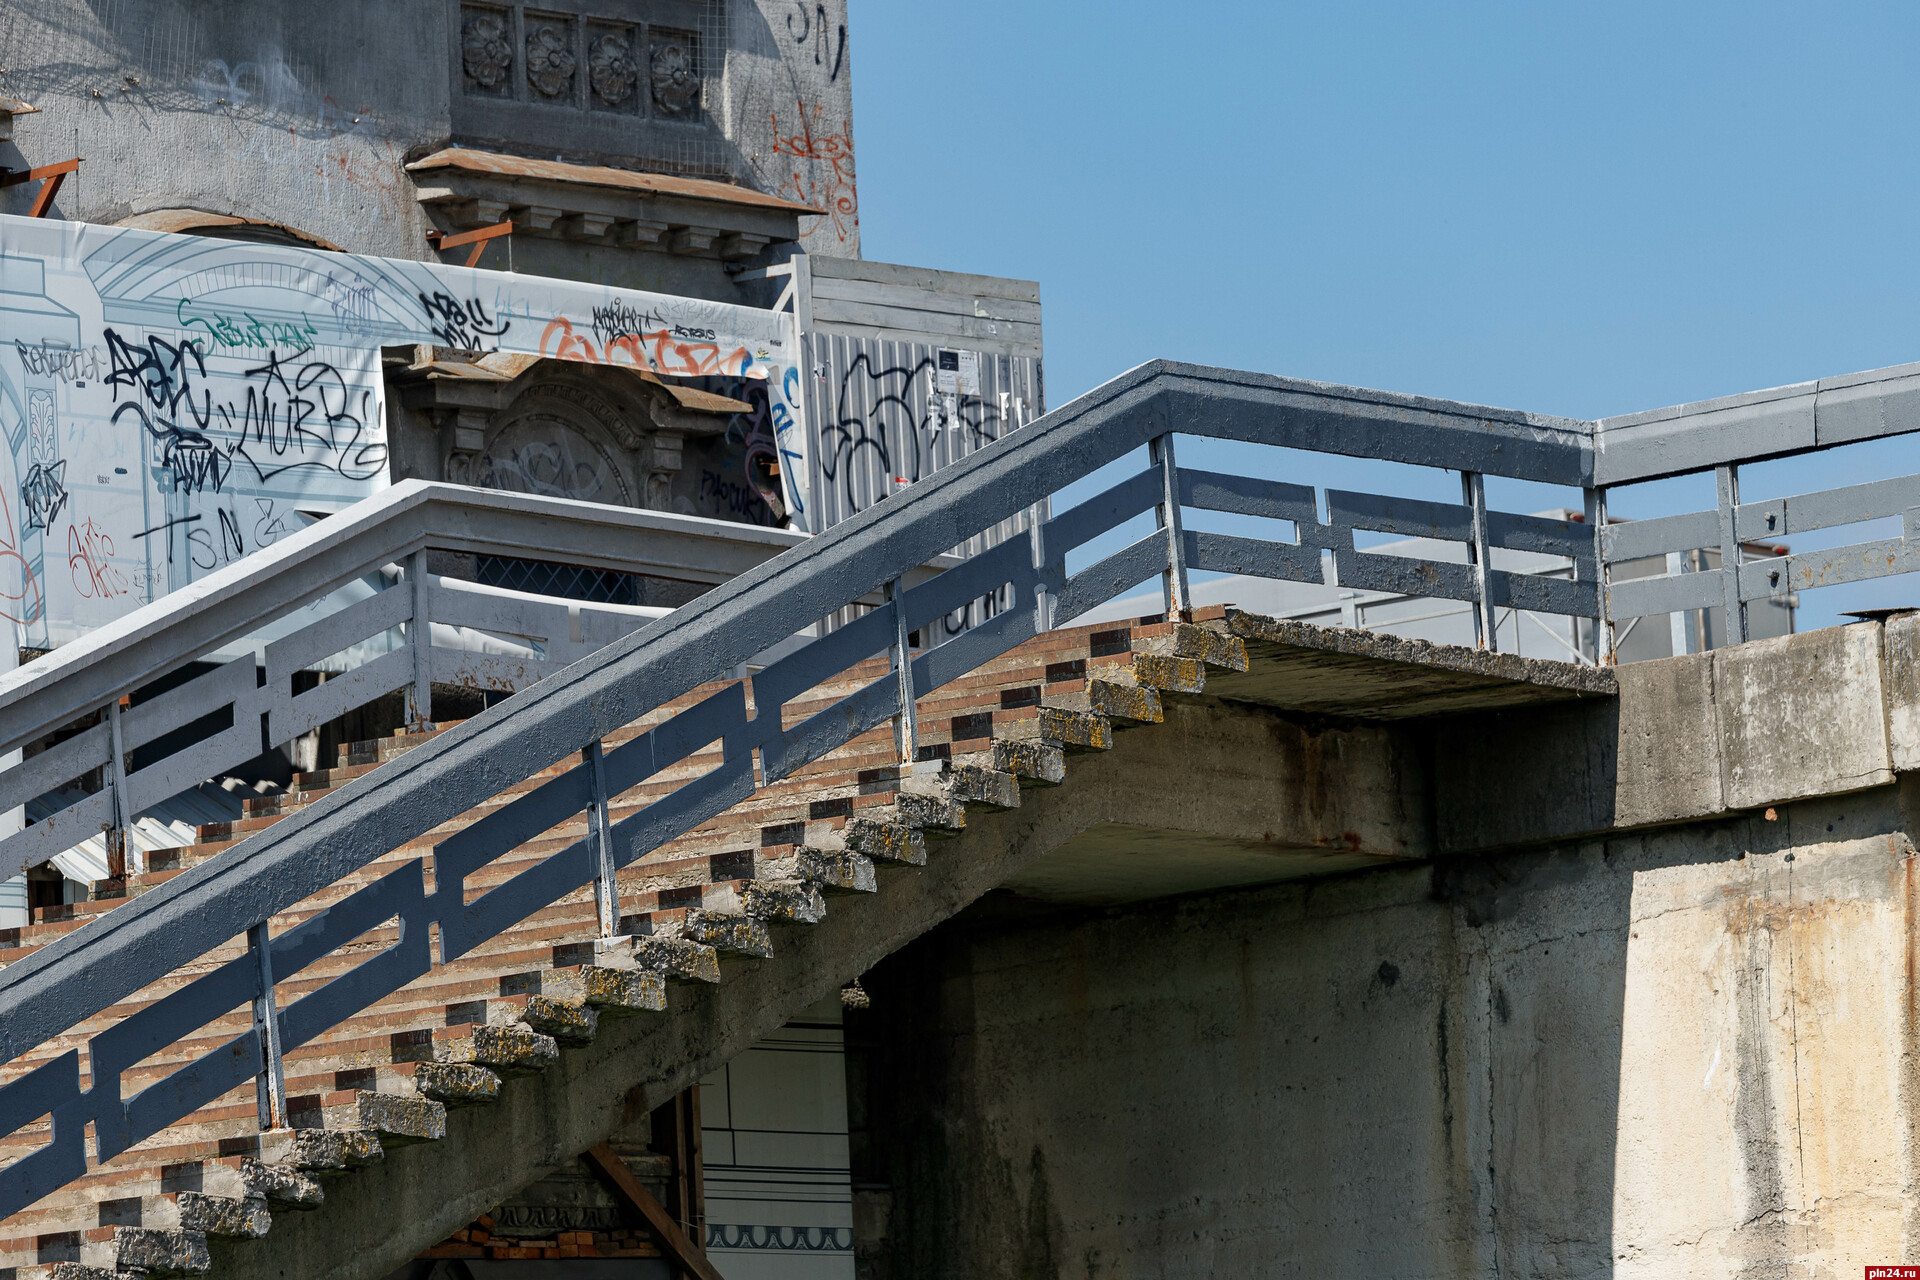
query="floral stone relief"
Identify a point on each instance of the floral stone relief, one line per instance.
(550, 60)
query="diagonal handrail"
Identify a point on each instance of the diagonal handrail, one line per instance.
(125, 949)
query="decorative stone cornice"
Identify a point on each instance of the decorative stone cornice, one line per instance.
(599, 205)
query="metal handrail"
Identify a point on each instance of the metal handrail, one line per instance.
(571, 714)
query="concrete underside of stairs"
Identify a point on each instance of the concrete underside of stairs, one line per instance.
(1216, 775)
(1650, 1012)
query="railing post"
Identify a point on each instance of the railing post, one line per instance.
(1042, 599)
(1486, 631)
(422, 639)
(272, 1082)
(1727, 483)
(906, 729)
(606, 886)
(1603, 619)
(117, 777)
(1174, 581)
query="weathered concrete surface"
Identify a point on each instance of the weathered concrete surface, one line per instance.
(1370, 675)
(1281, 797)
(306, 115)
(1734, 729)
(1683, 1052)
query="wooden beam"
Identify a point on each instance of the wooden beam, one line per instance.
(50, 177)
(677, 1247)
(440, 240)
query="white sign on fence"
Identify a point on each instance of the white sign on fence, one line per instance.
(169, 403)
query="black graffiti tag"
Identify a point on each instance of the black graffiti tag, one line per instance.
(465, 326)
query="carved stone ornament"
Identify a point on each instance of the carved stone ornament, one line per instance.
(610, 68)
(550, 60)
(485, 51)
(676, 86)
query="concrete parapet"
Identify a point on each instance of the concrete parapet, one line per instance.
(1822, 713)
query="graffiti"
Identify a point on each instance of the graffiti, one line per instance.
(837, 194)
(814, 26)
(305, 417)
(620, 319)
(89, 560)
(20, 598)
(223, 330)
(663, 350)
(891, 438)
(42, 494)
(462, 325)
(730, 496)
(150, 384)
(72, 365)
(268, 525)
(167, 527)
(289, 418)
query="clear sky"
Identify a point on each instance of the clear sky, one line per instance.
(1576, 209)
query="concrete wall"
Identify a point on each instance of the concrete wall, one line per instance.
(1679, 1053)
(306, 115)
(1649, 1012)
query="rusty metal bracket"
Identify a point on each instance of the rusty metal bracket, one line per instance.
(441, 241)
(50, 176)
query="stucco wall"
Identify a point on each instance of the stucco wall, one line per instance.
(306, 115)
(1680, 1053)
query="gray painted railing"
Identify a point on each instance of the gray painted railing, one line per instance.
(873, 558)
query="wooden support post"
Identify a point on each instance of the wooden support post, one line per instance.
(680, 1251)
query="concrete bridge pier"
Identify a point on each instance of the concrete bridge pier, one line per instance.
(1647, 1010)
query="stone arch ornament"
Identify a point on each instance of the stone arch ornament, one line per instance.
(553, 439)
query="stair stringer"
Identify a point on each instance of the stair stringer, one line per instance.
(1212, 771)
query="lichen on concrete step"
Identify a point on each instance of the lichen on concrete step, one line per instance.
(615, 992)
(456, 1084)
(1032, 761)
(81, 1271)
(514, 1050)
(567, 1021)
(170, 1252)
(729, 934)
(790, 901)
(281, 1186)
(225, 1217)
(399, 1120)
(1169, 674)
(932, 813)
(836, 870)
(978, 787)
(1075, 730)
(1216, 648)
(886, 841)
(677, 959)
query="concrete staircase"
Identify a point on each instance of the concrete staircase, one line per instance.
(522, 1005)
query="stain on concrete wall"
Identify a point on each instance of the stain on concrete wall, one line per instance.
(1680, 1053)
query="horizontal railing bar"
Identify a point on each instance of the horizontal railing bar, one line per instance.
(1637, 597)
(1642, 539)
(1827, 567)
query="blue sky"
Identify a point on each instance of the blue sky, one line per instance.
(1581, 210)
